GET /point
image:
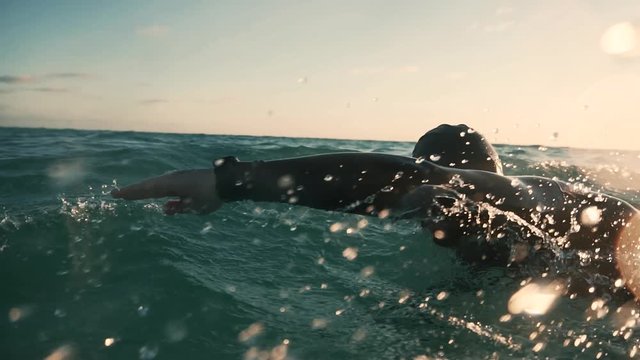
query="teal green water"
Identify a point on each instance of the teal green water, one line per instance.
(88, 277)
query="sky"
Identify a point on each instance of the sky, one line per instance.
(554, 73)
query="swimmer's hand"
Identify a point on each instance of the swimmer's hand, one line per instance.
(196, 190)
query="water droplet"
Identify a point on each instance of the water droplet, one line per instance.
(250, 332)
(434, 157)
(538, 347)
(367, 271)
(328, 177)
(175, 331)
(319, 323)
(350, 253)
(207, 228)
(18, 313)
(143, 310)
(439, 234)
(109, 341)
(359, 335)
(404, 296)
(442, 295)
(64, 352)
(148, 352)
(285, 181)
(590, 216)
(534, 299)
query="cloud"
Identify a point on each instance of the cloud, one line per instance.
(374, 70)
(153, 101)
(408, 69)
(49, 90)
(499, 27)
(25, 79)
(367, 70)
(15, 79)
(152, 31)
(457, 75)
(504, 10)
(43, 89)
(66, 75)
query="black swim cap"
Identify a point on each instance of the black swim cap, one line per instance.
(458, 146)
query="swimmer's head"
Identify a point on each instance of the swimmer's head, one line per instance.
(458, 146)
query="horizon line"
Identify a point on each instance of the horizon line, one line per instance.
(289, 137)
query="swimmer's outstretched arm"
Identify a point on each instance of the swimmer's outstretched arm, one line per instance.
(363, 183)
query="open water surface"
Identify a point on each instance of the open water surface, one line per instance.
(84, 276)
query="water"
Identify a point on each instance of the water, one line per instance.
(84, 276)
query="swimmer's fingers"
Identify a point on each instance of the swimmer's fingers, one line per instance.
(189, 206)
(173, 207)
(181, 206)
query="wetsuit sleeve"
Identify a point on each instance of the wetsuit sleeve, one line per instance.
(361, 183)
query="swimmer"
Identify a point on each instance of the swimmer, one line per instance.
(467, 204)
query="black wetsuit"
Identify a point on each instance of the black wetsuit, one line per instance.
(472, 209)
